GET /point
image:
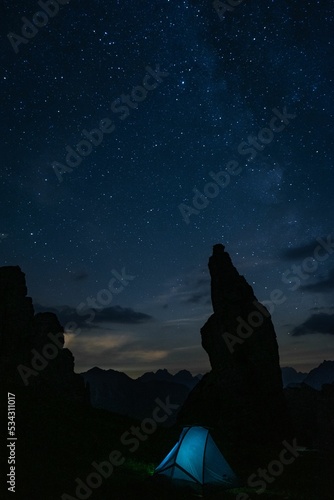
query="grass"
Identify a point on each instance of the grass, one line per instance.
(57, 443)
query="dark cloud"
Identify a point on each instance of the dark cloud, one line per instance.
(203, 282)
(193, 288)
(322, 308)
(198, 290)
(324, 286)
(300, 252)
(196, 297)
(79, 276)
(317, 323)
(116, 314)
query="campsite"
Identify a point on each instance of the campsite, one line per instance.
(89, 436)
(233, 433)
(167, 250)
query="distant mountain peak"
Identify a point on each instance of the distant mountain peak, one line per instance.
(184, 372)
(323, 374)
(290, 376)
(95, 369)
(183, 377)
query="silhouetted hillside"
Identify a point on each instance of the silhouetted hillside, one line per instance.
(183, 377)
(312, 414)
(291, 376)
(323, 374)
(115, 391)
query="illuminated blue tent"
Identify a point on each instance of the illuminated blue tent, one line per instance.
(196, 459)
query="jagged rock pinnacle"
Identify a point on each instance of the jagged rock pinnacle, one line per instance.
(244, 389)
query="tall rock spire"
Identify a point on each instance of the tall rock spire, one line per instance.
(243, 394)
(226, 283)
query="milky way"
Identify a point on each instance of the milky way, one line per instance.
(69, 69)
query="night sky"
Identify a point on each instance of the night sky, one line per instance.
(246, 94)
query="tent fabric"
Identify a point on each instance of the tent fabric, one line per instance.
(197, 459)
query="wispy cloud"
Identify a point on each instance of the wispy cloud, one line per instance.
(299, 252)
(325, 285)
(191, 288)
(317, 323)
(79, 275)
(117, 350)
(115, 314)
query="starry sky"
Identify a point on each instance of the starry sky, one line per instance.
(217, 127)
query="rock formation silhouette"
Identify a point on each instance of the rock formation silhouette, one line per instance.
(29, 357)
(242, 397)
(312, 414)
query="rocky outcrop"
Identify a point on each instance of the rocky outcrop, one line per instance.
(242, 397)
(16, 315)
(312, 412)
(32, 353)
